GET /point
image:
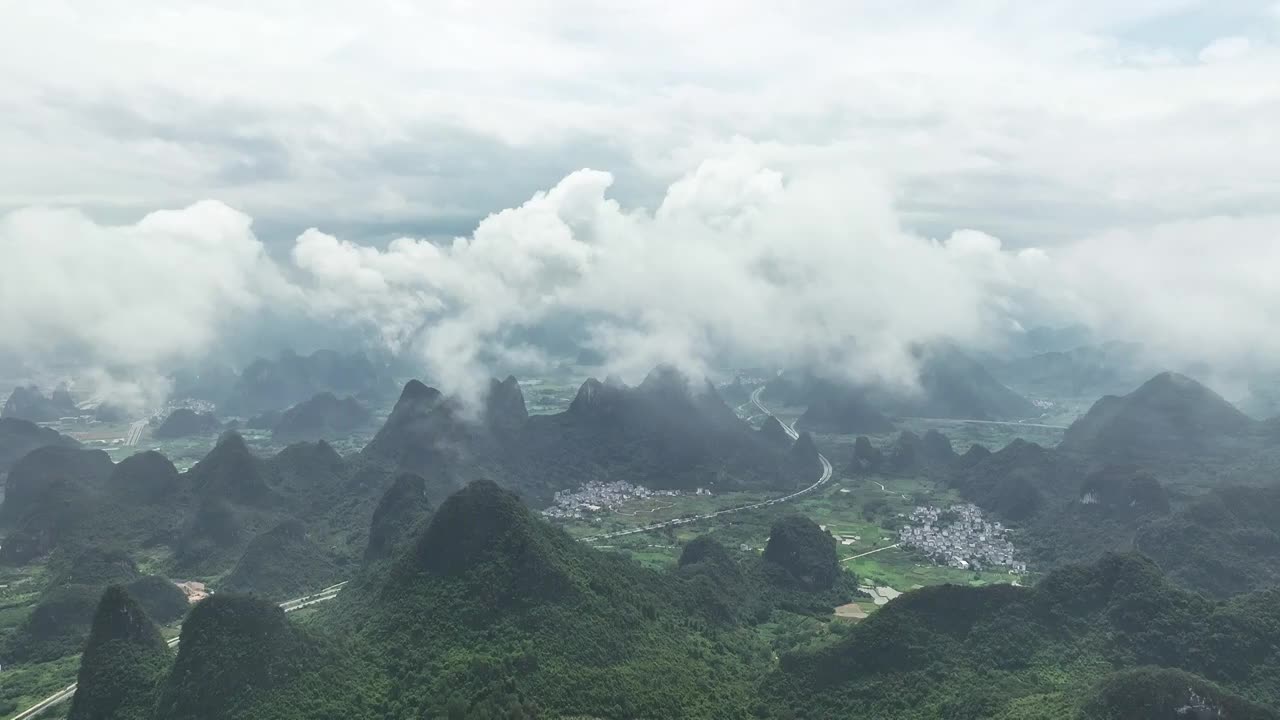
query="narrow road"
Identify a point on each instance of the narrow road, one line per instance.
(791, 431)
(885, 489)
(870, 552)
(288, 606)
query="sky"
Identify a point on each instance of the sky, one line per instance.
(823, 182)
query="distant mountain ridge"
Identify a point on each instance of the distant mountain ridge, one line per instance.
(950, 384)
(185, 422)
(1170, 416)
(955, 651)
(28, 403)
(123, 661)
(19, 437)
(524, 621)
(843, 410)
(323, 416)
(291, 378)
(1082, 371)
(667, 432)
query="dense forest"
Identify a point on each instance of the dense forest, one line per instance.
(490, 612)
(462, 602)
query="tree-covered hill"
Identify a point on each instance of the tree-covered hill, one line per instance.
(487, 611)
(282, 563)
(60, 620)
(122, 664)
(241, 659)
(19, 437)
(397, 517)
(26, 402)
(323, 416)
(947, 384)
(1170, 418)
(288, 379)
(503, 609)
(668, 432)
(1226, 542)
(834, 409)
(184, 422)
(1014, 652)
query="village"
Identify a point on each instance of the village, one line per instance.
(959, 537)
(598, 496)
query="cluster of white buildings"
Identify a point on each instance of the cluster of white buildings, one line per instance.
(959, 537)
(598, 496)
(200, 406)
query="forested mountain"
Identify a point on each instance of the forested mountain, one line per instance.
(50, 498)
(60, 621)
(284, 562)
(123, 661)
(1170, 417)
(665, 433)
(1089, 370)
(28, 403)
(1019, 481)
(184, 422)
(396, 519)
(240, 658)
(463, 603)
(290, 378)
(19, 437)
(1224, 543)
(62, 501)
(949, 384)
(517, 618)
(322, 416)
(488, 611)
(1044, 652)
(954, 385)
(842, 410)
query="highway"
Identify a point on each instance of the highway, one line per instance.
(987, 422)
(135, 432)
(288, 606)
(823, 479)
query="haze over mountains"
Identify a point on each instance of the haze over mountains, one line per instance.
(950, 384)
(668, 432)
(27, 403)
(641, 361)
(433, 553)
(299, 519)
(1170, 417)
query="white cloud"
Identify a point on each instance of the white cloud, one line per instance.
(130, 298)
(738, 261)
(807, 267)
(774, 182)
(1225, 49)
(1197, 292)
(1036, 122)
(157, 290)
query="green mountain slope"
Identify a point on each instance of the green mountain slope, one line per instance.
(502, 608)
(123, 661)
(1014, 652)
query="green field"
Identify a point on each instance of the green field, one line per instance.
(865, 512)
(846, 507)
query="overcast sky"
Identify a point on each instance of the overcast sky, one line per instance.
(817, 183)
(1035, 121)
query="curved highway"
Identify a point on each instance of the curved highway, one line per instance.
(288, 606)
(822, 480)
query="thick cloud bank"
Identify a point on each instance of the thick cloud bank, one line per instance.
(808, 267)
